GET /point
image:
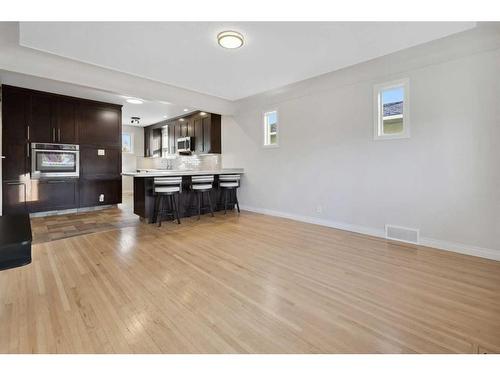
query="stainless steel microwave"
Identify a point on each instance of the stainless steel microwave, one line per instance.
(54, 160)
(185, 144)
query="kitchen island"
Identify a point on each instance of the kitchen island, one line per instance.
(144, 190)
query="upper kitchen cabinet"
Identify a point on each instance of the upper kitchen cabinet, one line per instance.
(67, 127)
(42, 118)
(212, 134)
(52, 119)
(204, 128)
(99, 124)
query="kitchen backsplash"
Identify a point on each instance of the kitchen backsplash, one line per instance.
(181, 162)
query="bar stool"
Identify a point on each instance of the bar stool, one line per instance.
(167, 189)
(229, 183)
(201, 185)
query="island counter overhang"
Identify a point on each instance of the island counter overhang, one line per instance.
(144, 198)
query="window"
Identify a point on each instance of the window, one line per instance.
(164, 141)
(271, 129)
(127, 145)
(391, 110)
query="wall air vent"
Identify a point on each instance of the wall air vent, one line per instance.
(409, 235)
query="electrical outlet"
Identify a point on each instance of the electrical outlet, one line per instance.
(101, 152)
(319, 209)
(101, 198)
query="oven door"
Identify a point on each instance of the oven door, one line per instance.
(55, 163)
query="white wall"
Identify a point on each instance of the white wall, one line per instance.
(444, 180)
(129, 160)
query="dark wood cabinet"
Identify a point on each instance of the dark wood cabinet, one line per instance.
(42, 118)
(99, 125)
(53, 194)
(52, 119)
(98, 162)
(14, 197)
(34, 116)
(15, 147)
(66, 124)
(211, 134)
(206, 130)
(100, 192)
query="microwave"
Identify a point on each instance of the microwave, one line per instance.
(185, 144)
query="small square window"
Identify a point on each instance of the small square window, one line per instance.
(391, 110)
(127, 145)
(271, 128)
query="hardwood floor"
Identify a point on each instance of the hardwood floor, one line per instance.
(247, 284)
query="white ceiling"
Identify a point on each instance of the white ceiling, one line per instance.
(150, 111)
(185, 54)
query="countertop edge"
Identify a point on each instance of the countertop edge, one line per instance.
(183, 173)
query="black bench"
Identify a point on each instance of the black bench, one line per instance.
(15, 241)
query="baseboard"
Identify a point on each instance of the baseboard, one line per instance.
(430, 242)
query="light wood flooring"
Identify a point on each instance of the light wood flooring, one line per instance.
(246, 283)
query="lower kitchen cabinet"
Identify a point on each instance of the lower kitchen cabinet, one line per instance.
(100, 192)
(53, 194)
(15, 197)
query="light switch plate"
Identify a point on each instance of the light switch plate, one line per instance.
(101, 152)
(101, 198)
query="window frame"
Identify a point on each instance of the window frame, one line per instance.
(378, 111)
(267, 134)
(131, 135)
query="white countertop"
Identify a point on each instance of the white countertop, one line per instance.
(174, 172)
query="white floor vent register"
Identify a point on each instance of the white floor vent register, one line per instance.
(409, 235)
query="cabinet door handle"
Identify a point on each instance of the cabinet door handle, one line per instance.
(56, 182)
(53, 134)
(3, 157)
(15, 183)
(28, 132)
(59, 134)
(27, 150)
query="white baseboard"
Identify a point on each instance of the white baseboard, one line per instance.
(430, 242)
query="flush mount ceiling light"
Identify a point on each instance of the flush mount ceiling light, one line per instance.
(134, 101)
(230, 39)
(186, 109)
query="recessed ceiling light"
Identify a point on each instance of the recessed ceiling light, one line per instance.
(203, 113)
(230, 39)
(186, 109)
(164, 116)
(181, 119)
(134, 101)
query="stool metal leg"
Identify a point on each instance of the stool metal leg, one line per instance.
(199, 204)
(210, 203)
(236, 199)
(175, 207)
(225, 201)
(156, 209)
(160, 206)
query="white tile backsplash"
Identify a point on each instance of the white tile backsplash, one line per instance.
(181, 162)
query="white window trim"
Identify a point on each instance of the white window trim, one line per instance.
(378, 112)
(131, 143)
(265, 130)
